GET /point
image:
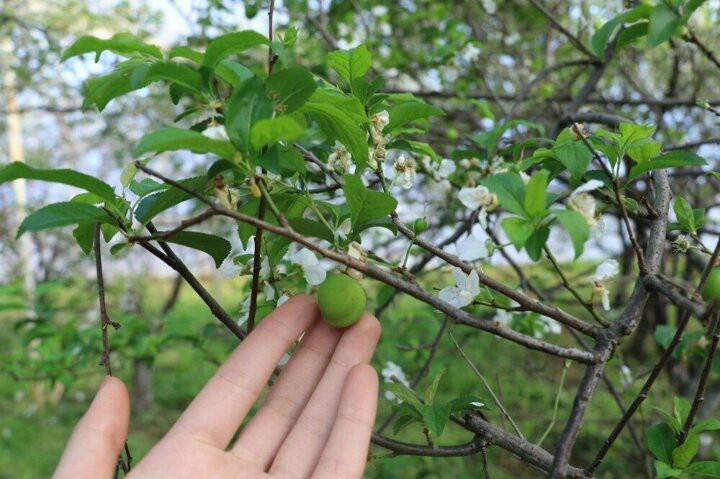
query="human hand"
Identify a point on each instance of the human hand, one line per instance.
(316, 420)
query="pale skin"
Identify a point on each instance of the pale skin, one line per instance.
(316, 421)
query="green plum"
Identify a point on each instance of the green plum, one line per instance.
(341, 300)
(711, 291)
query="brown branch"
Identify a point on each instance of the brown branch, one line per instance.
(690, 37)
(399, 448)
(105, 320)
(655, 372)
(704, 375)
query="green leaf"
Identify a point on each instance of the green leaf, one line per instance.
(704, 468)
(62, 214)
(536, 194)
(312, 228)
(689, 8)
(681, 408)
(271, 130)
(337, 125)
(435, 417)
(410, 111)
(230, 44)
(510, 190)
(575, 156)
(123, 44)
(600, 38)
(17, 170)
(168, 71)
(671, 159)
(217, 247)
(684, 453)
(643, 150)
(534, 245)
(685, 215)
(663, 23)
(466, 403)
(146, 186)
(84, 235)
(431, 390)
(631, 132)
(403, 393)
(576, 226)
(365, 204)
(661, 441)
(664, 470)
(384, 222)
(631, 34)
(248, 104)
(290, 88)
(152, 205)
(171, 139)
(351, 64)
(405, 420)
(518, 230)
(706, 425)
(99, 91)
(186, 52)
(232, 72)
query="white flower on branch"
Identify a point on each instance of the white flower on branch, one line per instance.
(380, 119)
(312, 270)
(478, 197)
(393, 373)
(550, 325)
(269, 291)
(282, 299)
(472, 248)
(467, 286)
(583, 202)
(216, 132)
(604, 272)
(404, 168)
(355, 251)
(447, 168)
(340, 160)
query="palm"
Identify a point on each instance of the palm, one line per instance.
(316, 420)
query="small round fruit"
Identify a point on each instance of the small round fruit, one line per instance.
(341, 300)
(711, 291)
(420, 225)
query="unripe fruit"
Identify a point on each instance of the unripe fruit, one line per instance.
(711, 291)
(341, 300)
(420, 225)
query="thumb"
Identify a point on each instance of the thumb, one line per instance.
(98, 438)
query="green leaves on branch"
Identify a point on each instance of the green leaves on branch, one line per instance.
(671, 159)
(123, 44)
(351, 64)
(217, 247)
(271, 130)
(366, 205)
(231, 44)
(172, 139)
(410, 111)
(290, 88)
(62, 214)
(248, 104)
(688, 219)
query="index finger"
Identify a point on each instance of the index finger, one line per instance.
(218, 410)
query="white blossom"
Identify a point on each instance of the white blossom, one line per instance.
(471, 248)
(626, 376)
(312, 270)
(228, 268)
(604, 272)
(269, 291)
(216, 132)
(447, 168)
(583, 202)
(380, 119)
(340, 160)
(355, 251)
(467, 286)
(282, 299)
(393, 373)
(405, 169)
(503, 317)
(550, 325)
(478, 197)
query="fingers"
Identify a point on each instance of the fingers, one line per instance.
(216, 413)
(261, 438)
(300, 452)
(345, 453)
(98, 438)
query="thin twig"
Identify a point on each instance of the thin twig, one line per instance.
(105, 320)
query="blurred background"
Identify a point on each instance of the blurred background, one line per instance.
(482, 62)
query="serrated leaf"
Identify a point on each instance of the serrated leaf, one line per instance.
(671, 159)
(218, 248)
(518, 230)
(366, 204)
(230, 44)
(271, 130)
(337, 125)
(62, 214)
(431, 390)
(248, 104)
(410, 111)
(465, 403)
(510, 190)
(404, 394)
(152, 205)
(576, 226)
(181, 75)
(534, 245)
(290, 88)
(312, 228)
(172, 139)
(575, 156)
(704, 468)
(84, 235)
(684, 453)
(17, 170)
(663, 23)
(536, 194)
(124, 44)
(351, 64)
(661, 441)
(435, 417)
